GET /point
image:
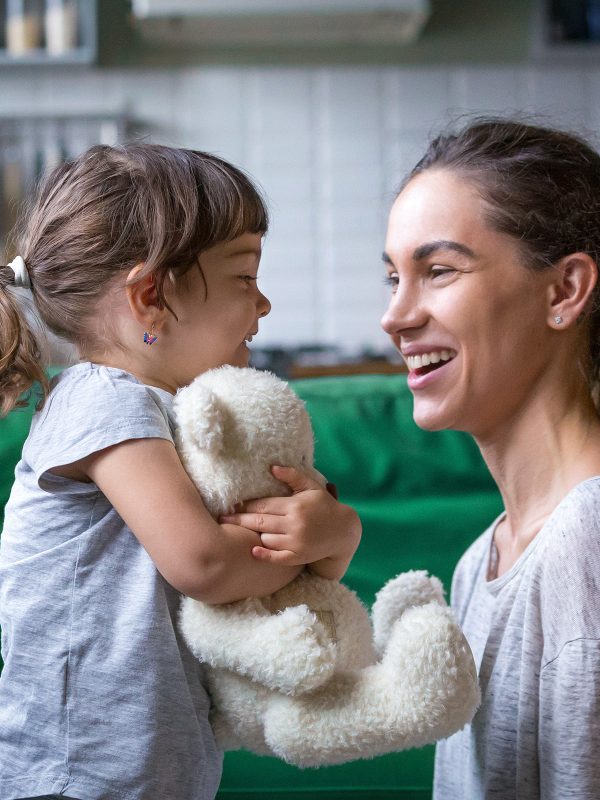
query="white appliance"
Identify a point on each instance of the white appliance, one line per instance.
(282, 22)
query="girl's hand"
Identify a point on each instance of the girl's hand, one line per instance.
(310, 527)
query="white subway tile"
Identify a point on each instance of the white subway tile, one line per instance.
(415, 98)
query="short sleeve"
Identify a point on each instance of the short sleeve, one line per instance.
(90, 408)
(569, 723)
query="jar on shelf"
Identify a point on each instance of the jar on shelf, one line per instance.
(61, 23)
(24, 26)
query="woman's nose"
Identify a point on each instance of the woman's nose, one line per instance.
(403, 313)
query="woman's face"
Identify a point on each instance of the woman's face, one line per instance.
(465, 312)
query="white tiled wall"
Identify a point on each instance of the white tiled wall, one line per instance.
(328, 145)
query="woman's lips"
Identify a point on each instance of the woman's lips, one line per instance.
(423, 377)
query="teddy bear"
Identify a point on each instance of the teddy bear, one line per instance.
(306, 674)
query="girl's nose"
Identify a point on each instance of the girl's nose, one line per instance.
(264, 305)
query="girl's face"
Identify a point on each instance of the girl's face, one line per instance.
(466, 313)
(217, 320)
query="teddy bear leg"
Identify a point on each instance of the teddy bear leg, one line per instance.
(412, 588)
(424, 689)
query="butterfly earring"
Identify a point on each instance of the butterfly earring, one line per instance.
(150, 338)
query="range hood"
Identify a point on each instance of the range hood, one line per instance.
(282, 22)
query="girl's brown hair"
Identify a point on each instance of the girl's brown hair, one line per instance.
(541, 186)
(101, 214)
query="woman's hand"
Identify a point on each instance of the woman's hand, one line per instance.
(310, 527)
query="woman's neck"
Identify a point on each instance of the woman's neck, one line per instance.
(536, 459)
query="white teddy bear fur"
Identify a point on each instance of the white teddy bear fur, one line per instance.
(305, 674)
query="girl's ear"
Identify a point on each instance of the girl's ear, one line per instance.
(143, 300)
(569, 292)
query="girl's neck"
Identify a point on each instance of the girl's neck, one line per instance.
(145, 373)
(537, 458)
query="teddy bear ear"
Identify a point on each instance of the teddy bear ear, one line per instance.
(200, 417)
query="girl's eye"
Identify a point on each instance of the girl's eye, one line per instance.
(391, 280)
(249, 278)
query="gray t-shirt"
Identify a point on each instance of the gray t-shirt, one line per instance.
(535, 636)
(99, 697)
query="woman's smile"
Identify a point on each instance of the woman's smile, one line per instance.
(462, 304)
(427, 367)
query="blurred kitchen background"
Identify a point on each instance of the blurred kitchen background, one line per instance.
(326, 103)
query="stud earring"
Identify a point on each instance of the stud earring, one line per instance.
(558, 319)
(150, 338)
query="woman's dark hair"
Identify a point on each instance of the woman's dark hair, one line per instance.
(541, 186)
(102, 214)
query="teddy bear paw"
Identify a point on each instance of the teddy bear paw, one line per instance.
(302, 654)
(409, 589)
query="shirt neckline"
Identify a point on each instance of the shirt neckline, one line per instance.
(164, 393)
(494, 585)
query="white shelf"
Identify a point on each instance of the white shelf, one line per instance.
(85, 52)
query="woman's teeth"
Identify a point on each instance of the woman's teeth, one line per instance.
(425, 359)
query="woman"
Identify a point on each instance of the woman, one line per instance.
(492, 255)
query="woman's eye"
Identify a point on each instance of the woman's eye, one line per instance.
(249, 278)
(441, 272)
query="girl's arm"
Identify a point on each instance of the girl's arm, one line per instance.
(147, 485)
(310, 527)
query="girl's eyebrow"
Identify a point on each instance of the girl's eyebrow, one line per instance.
(246, 251)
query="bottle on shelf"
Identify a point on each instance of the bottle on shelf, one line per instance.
(23, 26)
(60, 24)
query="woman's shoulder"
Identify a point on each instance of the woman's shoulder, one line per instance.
(568, 566)
(574, 526)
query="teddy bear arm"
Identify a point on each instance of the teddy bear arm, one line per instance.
(290, 651)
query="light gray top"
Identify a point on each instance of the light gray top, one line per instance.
(535, 636)
(99, 697)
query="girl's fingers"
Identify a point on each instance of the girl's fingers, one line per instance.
(261, 523)
(296, 480)
(275, 556)
(268, 505)
(274, 541)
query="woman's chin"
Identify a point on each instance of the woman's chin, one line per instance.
(430, 419)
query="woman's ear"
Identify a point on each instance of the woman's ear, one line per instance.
(574, 279)
(143, 299)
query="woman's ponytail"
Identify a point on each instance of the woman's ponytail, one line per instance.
(20, 356)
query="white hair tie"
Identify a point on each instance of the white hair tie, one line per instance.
(19, 267)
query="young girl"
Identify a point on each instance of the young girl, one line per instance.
(492, 254)
(146, 258)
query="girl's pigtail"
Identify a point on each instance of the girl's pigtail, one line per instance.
(20, 356)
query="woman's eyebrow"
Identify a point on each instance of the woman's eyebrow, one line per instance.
(425, 250)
